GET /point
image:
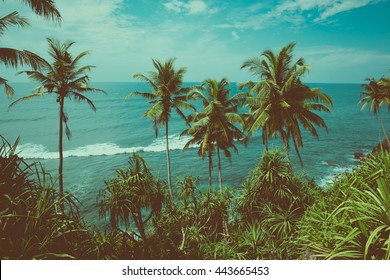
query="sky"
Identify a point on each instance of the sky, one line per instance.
(343, 41)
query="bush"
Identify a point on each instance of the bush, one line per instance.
(353, 220)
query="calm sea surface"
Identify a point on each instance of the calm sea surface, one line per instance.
(103, 141)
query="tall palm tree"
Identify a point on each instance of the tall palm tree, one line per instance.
(13, 57)
(280, 103)
(385, 84)
(214, 127)
(376, 94)
(167, 94)
(65, 79)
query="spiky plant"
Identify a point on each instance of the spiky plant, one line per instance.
(130, 193)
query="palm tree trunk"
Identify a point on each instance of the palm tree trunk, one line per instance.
(60, 165)
(383, 127)
(113, 219)
(210, 167)
(168, 158)
(300, 158)
(219, 170)
(287, 150)
(140, 224)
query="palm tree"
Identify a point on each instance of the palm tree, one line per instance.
(13, 57)
(376, 94)
(302, 100)
(65, 79)
(215, 126)
(385, 84)
(167, 94)
(280, 103)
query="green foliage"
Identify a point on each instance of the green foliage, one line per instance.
(273, 183)
(215, 126)
(352, 221)
(194, 221)
(132, 192)
(32, 224)
(277, 216)
(376, 94)
(64, 78)
(280, 104)
(167, 94)
(272, 202)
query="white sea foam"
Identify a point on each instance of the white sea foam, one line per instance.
(327, 180)
(331, 177)
(37, 151)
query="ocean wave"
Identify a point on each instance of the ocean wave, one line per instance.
(332, 176)
(37, 151)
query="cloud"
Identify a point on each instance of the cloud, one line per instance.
(346, 57)
(123, 38)
(196, 7)
(175, 6)
(326, 8)
(192, 7)
(329, 63)
(235, 36)
(295, 12)
(343, 6)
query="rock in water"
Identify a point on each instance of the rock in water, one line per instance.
(358, 156)
(384, 145)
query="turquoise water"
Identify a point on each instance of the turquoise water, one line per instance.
(102, 141)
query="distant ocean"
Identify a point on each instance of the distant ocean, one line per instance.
(103, 141)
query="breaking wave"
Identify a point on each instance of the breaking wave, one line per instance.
(37, 151)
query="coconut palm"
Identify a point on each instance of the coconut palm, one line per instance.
(13, 57)
(302, 100)
(385, 84)
(65, 79)
(280, 103)
(214, 128)
(376, 94)
(167, 94)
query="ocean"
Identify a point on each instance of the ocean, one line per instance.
(103, 140)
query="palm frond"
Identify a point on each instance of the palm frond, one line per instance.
(12, 19)
(9, 91)
(45, 8)
(26, 98)
(80, 97)
(13, 58)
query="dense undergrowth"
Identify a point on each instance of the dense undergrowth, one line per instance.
(276, 214)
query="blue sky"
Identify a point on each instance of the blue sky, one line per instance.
(342, 41)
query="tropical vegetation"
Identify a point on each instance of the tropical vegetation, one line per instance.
(376, 94)
(215, 126)
(167, 94)
(280, 104)
(66, 79)
(274, 214)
